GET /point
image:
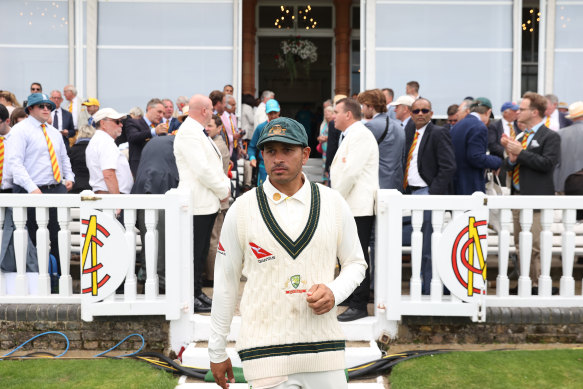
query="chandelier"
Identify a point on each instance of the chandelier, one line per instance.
(287, 18)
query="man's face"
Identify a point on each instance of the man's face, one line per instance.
(272, 115)
(35, 88)
(387, 96)
(283, 162)
(408, 90)
(228, 90)
(342, 119)
(231, 106)
(154, 113)
(220, 106)
(56, 98)
(550, 108)
(68, 94)
(168, 109)
(42, 114)
(525, 114)
(462, 111)
(112, 127)
(402, 112)
(212, 129)
(91, 109)
(509, 115)
(368, 111)
(421, 113)
(4, 127)
(452, 119)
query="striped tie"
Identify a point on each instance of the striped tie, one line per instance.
(1, 157)
(515, 172)
(548, 122)
(409, 158)
(71, 106)
(512, 132)
(54, 163)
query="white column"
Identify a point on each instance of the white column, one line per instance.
(516, 49)
(79, 63)
(20, 246)
(525, 243)
(550, 46)
(130, 286)
(436, 284)
(42, 251)
(545, 283)
(369, 27)
(416, 252)
(91, 53)
(568, 254)
(502, 282)
(65, 281)
(151, 256)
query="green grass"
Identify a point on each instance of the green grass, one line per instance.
(492, 369)
(95, 373)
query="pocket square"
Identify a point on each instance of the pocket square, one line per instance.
(534, 144)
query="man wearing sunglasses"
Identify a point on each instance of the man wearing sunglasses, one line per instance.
(109, 170)
(429, 169)
(38, 163)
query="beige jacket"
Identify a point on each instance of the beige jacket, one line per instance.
(355, 169)
(200, 168)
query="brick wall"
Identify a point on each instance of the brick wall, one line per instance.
(20, 322)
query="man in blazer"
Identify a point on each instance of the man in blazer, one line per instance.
(532, 158)
(200, 167)
(355, 174)
(390, 137)
(139, 131)
(428, 170)
(470, 143)
(571, 147)
(62, 119)
(553, 118)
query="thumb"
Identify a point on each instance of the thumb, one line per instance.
(230, 375)
(313, 289)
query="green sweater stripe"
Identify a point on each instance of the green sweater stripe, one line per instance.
(293, 248)
(290, 349)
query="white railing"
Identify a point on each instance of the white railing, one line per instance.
(393, 302)
(173, 206)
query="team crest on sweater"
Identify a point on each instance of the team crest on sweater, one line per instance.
(260, 253)
(295, 281)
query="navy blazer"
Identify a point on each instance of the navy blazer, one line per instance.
(537, 163)
(436, 159)
(157, 171)
(469, 137)
(563, 121)
(138, 133)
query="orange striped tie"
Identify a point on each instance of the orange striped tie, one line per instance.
(548, 122)
(512, 133)
(54, 163)
(515, 172)
(70, 106)
(409, 158)
(1, 157)
(233, 132)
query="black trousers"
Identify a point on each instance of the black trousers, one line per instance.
(53, 225)
(359, 298)
(202, 228)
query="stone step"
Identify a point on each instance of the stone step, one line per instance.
(356, 354)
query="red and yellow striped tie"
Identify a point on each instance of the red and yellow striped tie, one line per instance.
(54, 162)
(409, 158)
(233, 132)
(1, 157)
(512, 132)
(515, 172)
(548, 122)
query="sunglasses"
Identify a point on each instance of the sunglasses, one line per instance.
(116, 121)
(45, 105)
(35, 89)
(424, 110)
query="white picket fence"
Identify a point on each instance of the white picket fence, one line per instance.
(562, 237)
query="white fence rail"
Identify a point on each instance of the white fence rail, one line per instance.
(393, 302)
(173, 206)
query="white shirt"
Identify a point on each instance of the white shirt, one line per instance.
(413, 176)
(102, 154)
(554, 125)
(28, 157)
(74, 110)
(290, 214)
(6, 178)
(259, 116)
(506, 127)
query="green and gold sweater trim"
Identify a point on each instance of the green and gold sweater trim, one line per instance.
(291, 349)
(293, 248)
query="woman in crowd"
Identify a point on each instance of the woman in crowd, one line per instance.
(9, 101)
(17, 115)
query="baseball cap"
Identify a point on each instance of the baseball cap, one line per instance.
(38, 98)
(509, 105)
(484, 101)
(403, 100)
(285, 130)
(272, 106)
(108, 113)
(91, 101)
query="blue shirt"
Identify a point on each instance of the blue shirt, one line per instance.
(252, 149)
(28, 159)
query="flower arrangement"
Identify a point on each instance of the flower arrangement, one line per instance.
(294, 52)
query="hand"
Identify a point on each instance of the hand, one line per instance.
(161, 129)
(320, 299)
(219, 370)
(68, 185)
(36, 191)
(65, 133)
(513, 147)
(504, 140)
(253, 163)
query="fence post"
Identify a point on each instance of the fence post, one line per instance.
(502, 281)
(525, 248)
(568, 254)
(65, 281)
(20, 245)
(391, 200)
(545, 283)
(42, 251)
(130, 287)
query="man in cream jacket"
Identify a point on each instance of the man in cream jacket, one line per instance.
(200, 168)
(355, 174)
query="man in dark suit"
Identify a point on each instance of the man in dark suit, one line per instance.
(139, 131)
(554, 119)
(62, 119)
(429, 169)
(532, 158)
(470, 143)
(167, 118)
